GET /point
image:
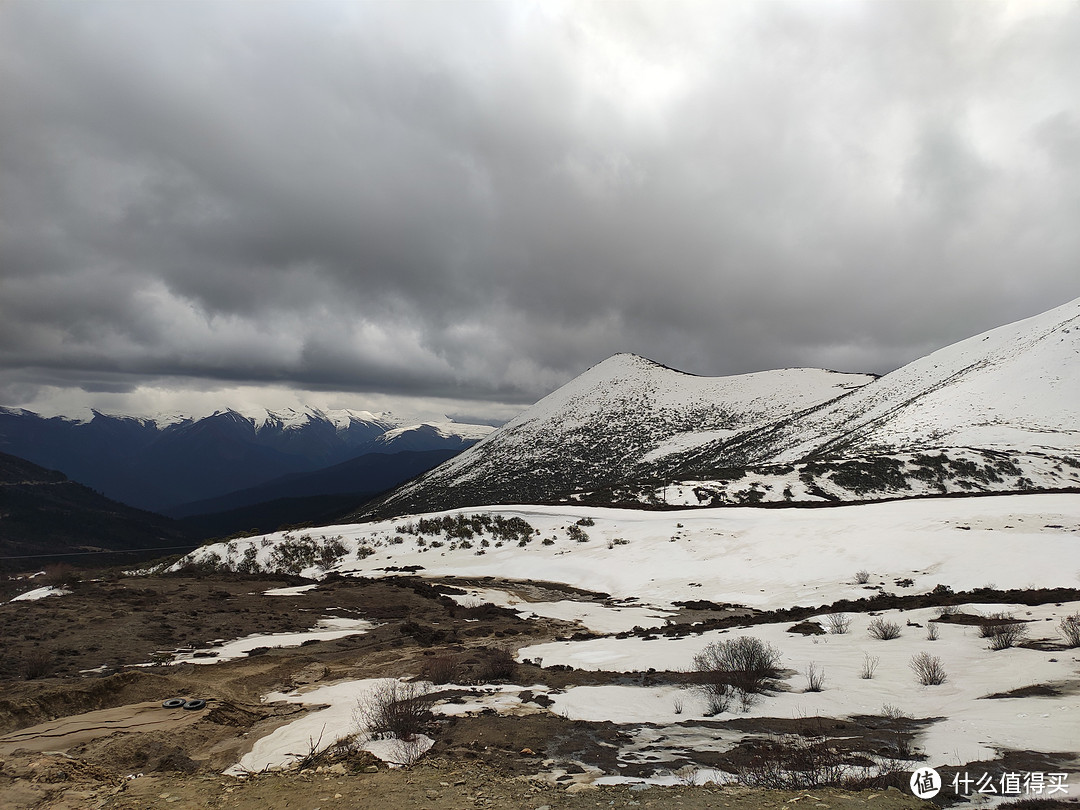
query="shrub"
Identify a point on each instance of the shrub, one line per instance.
(743, 665)
(498, 666)
(1004, 631)
(1070, 630)
(838, 623)
(862, 577)
(62, 575)
(394, 709)
(869, 666)
(815, 678)
(578, 534)
(331, 551)
(931, 631)
(928, 669)
(586, 521)
(883, 630)
(37, 664)
(443, 669)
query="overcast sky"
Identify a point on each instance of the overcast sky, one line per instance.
(457, 207)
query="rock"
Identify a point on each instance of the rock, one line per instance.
(371, 769)
(581, 787)
(528, 752)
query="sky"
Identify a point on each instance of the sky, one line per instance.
(455, 207)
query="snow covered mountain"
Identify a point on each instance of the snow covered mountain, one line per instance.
(599, 429)
(160, 462)
(996, 412)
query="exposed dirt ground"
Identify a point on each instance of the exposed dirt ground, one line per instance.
(87, 729)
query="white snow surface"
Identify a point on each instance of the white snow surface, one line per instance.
(762, 558)
(40, 593)
(1012, 388)
(325, 630)
(294, 590)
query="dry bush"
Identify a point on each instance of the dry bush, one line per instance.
(869, 666)
(499, 665)
(794, 762)
(1070, 630)
(883, 630)
(741, 667)
(1004, 632)
(394, 709)
(37, 664)
(931, 631)
(838, 623)
(928, 669)
(815, 678)
(862, 577)
(62, 575)
(443, 669)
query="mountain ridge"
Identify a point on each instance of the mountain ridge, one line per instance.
(997, 412)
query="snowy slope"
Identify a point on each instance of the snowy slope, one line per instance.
(1016, 387)
(762, 558)
(595, 429)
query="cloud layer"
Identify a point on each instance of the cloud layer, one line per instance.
(477, 201)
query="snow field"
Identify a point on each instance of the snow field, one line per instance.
(762, 558)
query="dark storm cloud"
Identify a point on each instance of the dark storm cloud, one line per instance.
(480, 200)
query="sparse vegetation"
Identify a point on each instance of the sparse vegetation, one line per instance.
(931, 631)
(798, 762)
(928, 669)
(862, 577)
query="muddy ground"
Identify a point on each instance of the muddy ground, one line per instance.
(81, 724)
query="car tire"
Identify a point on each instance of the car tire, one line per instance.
(195, 705)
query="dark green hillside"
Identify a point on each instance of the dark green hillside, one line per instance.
(43, 515)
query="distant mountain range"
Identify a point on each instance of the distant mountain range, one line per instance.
(163, 463)
(998, 412)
